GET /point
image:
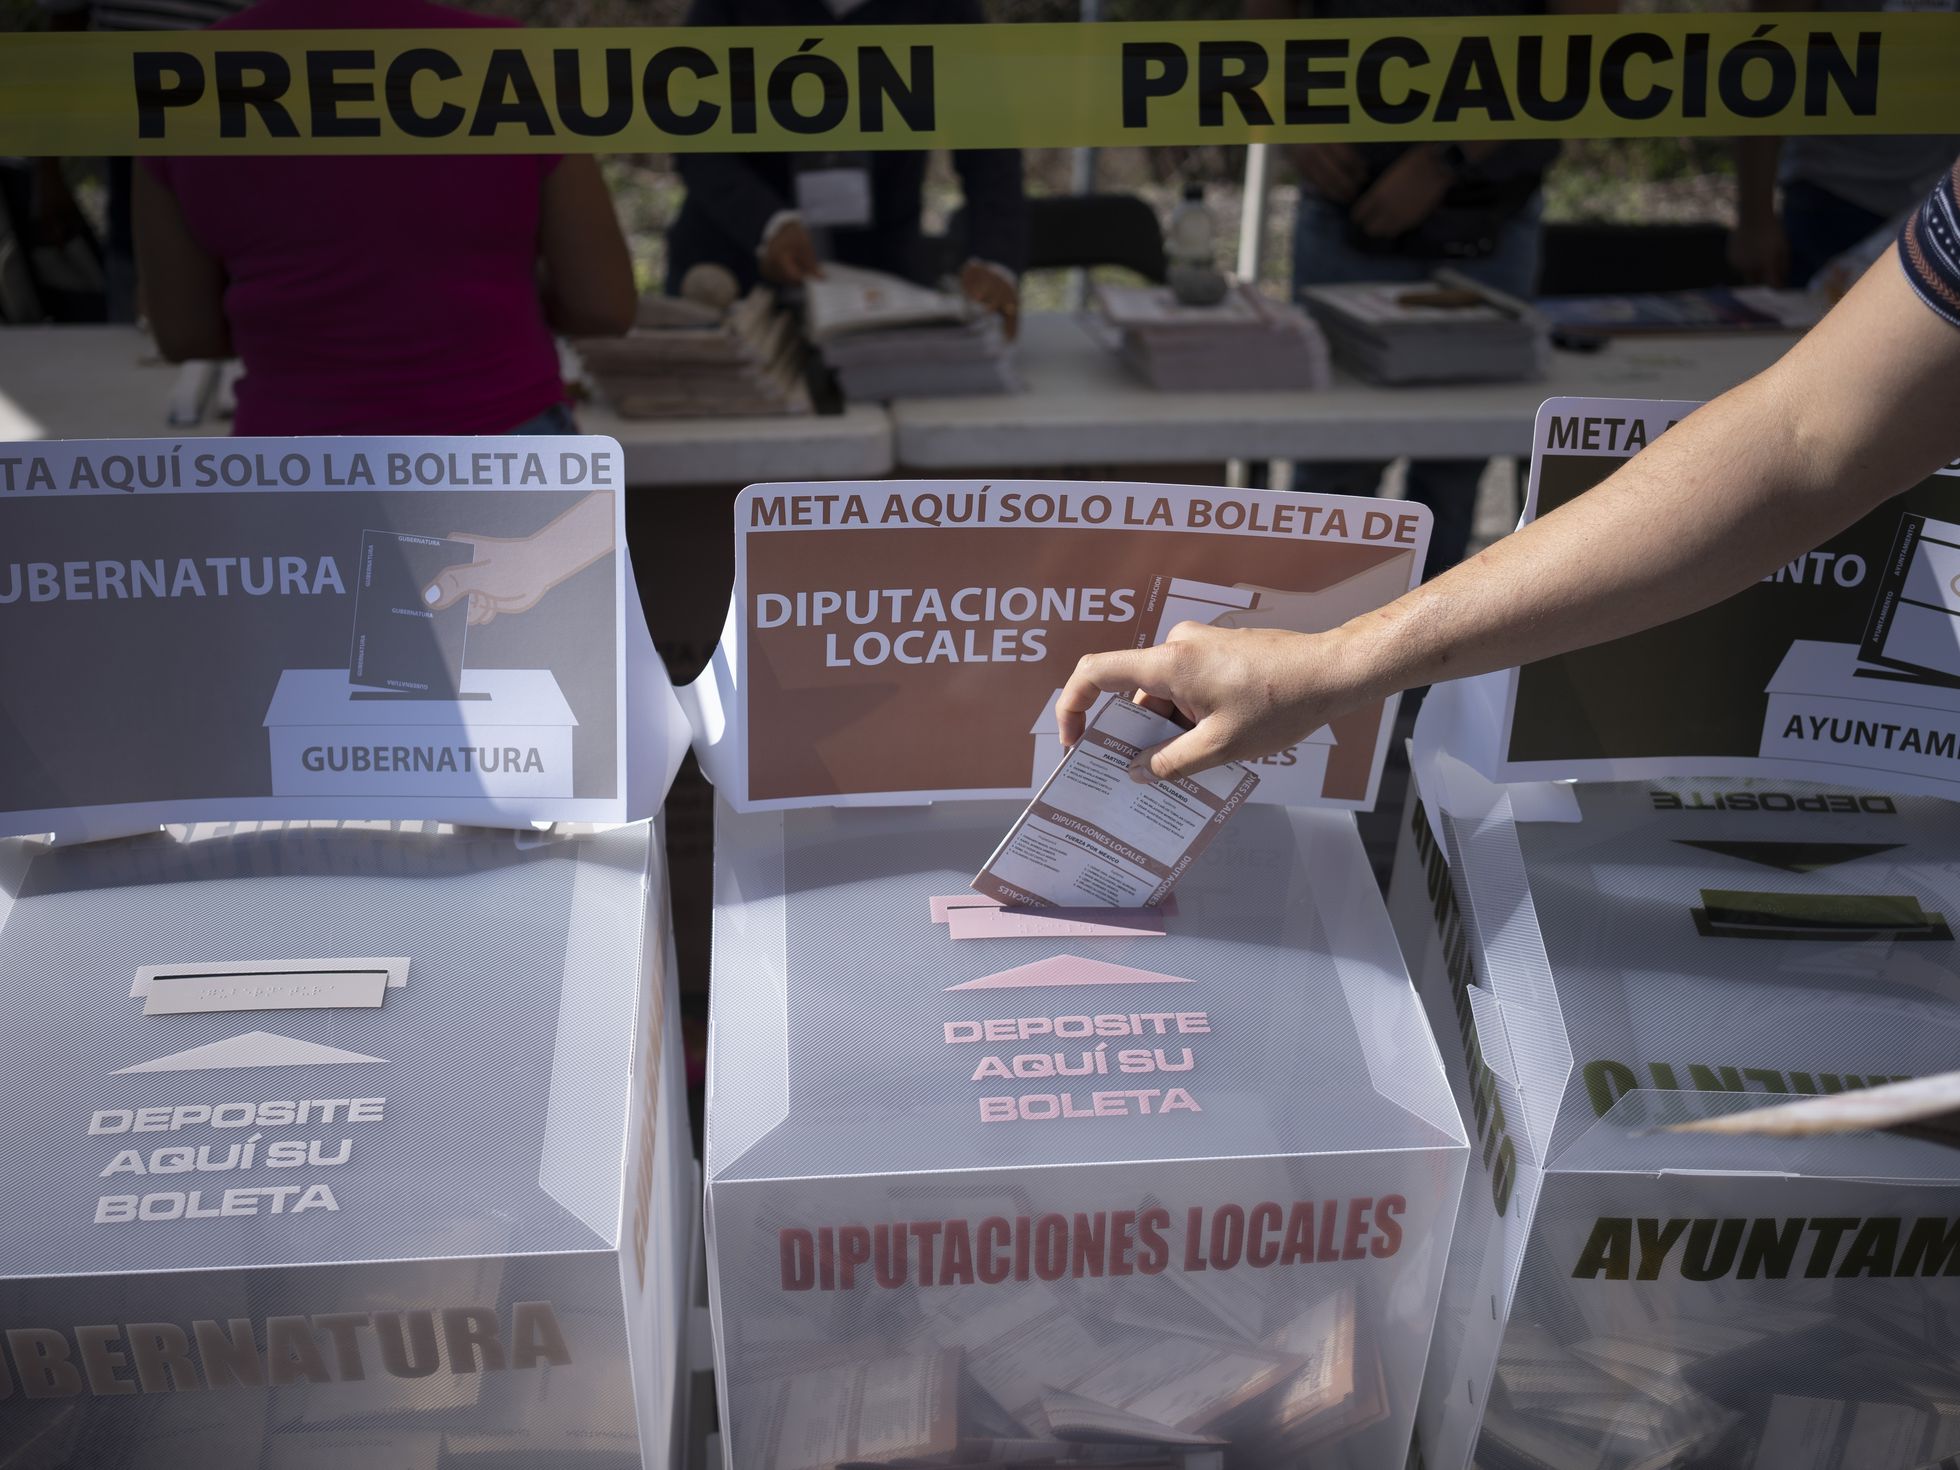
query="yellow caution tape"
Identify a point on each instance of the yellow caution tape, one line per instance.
(997, 86)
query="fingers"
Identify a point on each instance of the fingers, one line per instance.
(1197, 749)
(450, 584)
(1125, 671)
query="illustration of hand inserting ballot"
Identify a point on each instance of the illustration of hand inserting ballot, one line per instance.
(417, 596)
(508, 575)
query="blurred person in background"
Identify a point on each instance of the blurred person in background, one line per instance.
(1400, 212)
(777, 217)
(1837, 192)
(57, 219)
(378, 294)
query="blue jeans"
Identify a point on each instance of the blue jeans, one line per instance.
(1323, 257)
(554, 420)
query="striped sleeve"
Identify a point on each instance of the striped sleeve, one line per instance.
(1929, 247)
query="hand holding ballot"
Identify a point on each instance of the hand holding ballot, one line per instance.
(1244, 691)
(1099, 834)
(511, 574)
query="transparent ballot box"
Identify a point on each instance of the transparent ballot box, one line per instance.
(1153, 1188)
(1603, 961)
(341, 1144)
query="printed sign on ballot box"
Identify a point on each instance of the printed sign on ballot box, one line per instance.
(331, 627)
(906, 641)
(1842, 665)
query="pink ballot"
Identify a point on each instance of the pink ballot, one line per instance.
(1094, 838)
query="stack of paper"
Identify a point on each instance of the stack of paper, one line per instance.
(1244, 343)
(885, 337)
(685, 360)
(1451, 330)
(1710, 309)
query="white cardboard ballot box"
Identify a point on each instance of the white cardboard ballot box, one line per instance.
(1601, 960)
(508, 735)
(1172, 1188)
(338, 1144)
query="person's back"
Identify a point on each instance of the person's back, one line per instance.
(373, 294)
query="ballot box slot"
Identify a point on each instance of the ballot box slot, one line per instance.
(267, 985)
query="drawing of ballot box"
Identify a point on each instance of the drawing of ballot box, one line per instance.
(1601, 961)
(987, 1182)
(1916, 620)
(1855, 720)
(508, 736)
(342, 1143)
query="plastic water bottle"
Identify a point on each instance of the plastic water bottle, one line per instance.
(1193, 274)
(1193, 233)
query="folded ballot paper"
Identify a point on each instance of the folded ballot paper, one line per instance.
(1095, 838)
(886, 337)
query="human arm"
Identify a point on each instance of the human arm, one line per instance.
(183, 283)
(997, 229)
(1409, 189)
(1757, 246)
(1858, 410)
(738, 200)
(587, 274)
(992, 188)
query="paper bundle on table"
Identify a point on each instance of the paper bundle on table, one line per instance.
(1245, 343)
(684, 360)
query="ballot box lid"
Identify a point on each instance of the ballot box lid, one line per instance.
(1267, 1013)
(1736, 936)
(311, 1043)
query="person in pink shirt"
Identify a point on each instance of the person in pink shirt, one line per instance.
(381, 295)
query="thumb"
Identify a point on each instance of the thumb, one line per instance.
(452, 584)
(1197, 749)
